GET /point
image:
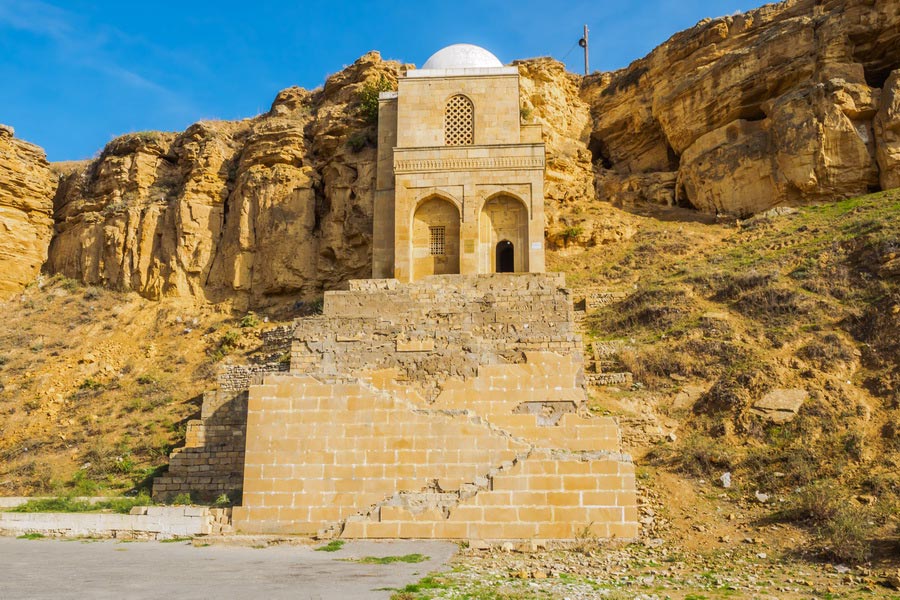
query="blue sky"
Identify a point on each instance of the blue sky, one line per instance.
(76, 74)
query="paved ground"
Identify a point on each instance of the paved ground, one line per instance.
(45, 569)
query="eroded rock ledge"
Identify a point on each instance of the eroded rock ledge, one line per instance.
(786, 104)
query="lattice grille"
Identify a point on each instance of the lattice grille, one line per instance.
(438, 235)
(459, 128)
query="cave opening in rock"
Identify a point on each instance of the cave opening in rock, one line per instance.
(600, 152)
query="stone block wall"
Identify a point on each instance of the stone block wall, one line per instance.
(211, 463)
(144, 522)
(452, 407)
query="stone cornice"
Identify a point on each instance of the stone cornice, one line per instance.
(468, 164)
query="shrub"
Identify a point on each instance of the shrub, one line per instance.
(570, 234)
(367, 96)
(230, 340)
(697, 455)
(847, 534)
(90, 384)
(361, 139)
(250, 320)
(182, 498)
(147, 379)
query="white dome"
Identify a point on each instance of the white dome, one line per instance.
(462, 56)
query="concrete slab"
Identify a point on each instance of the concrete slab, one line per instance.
(56, 569)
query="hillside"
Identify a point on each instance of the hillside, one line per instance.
(768, 349)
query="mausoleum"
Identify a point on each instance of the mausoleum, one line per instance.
(445, 397)
(460, 180)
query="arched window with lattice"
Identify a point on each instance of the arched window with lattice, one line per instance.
(459, 122)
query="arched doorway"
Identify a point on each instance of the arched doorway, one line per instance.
(503, 236)
(505, 258)
(435, 239)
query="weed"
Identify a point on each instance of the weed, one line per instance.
(332, 546)
(147, 379)
(174, 540)
(30, 536)
(250, 320)
(222, 501)
(90, 384)
(570, 234)
(230, 340)
(183, 498)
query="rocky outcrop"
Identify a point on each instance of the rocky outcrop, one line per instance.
(26, 192)
(741, 113)
(887, 133)
(251, 211)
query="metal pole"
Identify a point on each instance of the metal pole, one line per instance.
(586, 67)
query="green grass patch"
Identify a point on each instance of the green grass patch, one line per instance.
(332, 546)
(175, 540)
(73, 505)
(30, 536)
(387, 560)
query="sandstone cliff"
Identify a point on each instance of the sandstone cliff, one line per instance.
(250, 211)
(787, 104)
(26, 192)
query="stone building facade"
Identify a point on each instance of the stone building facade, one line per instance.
(460, 180)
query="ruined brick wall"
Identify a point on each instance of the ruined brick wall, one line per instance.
(452, 407)
(440, 327)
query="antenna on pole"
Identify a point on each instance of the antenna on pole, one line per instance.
(583, 42)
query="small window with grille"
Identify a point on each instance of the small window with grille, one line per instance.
(459, 117)
(437, 240)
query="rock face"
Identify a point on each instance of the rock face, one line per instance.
(26, 192)
(790, 103)
(550, 96)
(741, 113)
(250, 211)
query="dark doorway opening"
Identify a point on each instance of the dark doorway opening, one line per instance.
(506, 256)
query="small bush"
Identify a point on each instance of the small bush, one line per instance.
(250, 320)
(90, 384)
(367, 96)
(818, 502)
(222, 501)
(847, 534)
(361, 139)
(230, 340)
(827, 353)
(183, 498)
(147, 379)
(698, 455)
